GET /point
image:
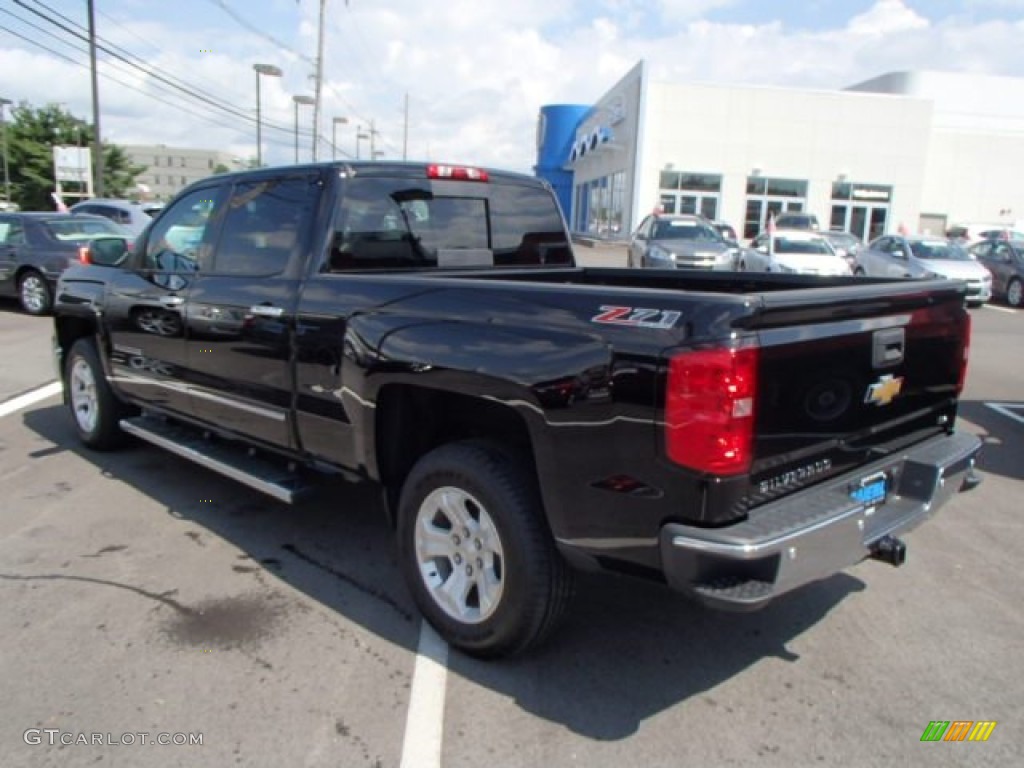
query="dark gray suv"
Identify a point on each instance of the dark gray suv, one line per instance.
(680, 241)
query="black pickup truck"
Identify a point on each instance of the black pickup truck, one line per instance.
(426, 328)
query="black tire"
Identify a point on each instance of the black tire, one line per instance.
(859, 272)
(1014, 293)
(95, 410)
(521, 583)
(34, 293)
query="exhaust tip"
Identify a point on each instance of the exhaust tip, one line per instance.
(890, 550)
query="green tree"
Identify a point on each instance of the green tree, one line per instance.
(32, 134)
(220, 168)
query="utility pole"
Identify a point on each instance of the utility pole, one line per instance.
(319, 78)
(97, 144)
(405, 128)
(373, 133)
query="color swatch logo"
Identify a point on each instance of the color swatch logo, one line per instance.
(958, 730)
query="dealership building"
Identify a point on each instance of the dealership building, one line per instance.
(916, 150)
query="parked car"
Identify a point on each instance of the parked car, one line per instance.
(797, 220)
(844, 244)
(679, 241)
(925, 256)
(131, 215)
(1004, 259)
(728, 233)
(792, 250)
(35, 248)
(968, 234)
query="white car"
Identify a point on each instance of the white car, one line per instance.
(794, 251)
(925, 256)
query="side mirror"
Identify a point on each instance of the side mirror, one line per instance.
(105, 251)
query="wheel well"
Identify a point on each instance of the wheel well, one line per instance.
(68, 330)
(412, 421)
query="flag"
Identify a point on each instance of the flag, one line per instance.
(61, 208)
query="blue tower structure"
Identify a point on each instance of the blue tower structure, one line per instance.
(556, 129)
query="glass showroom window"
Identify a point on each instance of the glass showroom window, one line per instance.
(686, 192)
(860, 209)
(766, 197)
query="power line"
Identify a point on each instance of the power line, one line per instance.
(129, 86)
(192, 91)
(243, 22)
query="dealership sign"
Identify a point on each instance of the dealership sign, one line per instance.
(73, 164)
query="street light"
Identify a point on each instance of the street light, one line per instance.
(334, 135)
(359, 137)
(271, 71)
(7, 175)
(299, 99)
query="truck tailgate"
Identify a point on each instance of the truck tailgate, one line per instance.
(842, 384)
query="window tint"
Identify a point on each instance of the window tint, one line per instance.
(401, 223)
(80, 228)
(174, 242)
(11, 232)
(263, 222)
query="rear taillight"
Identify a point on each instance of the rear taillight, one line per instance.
(966, 348)
(709, 409)
(84, 254)
(456, 172)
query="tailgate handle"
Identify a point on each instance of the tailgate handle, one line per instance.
(888, 347)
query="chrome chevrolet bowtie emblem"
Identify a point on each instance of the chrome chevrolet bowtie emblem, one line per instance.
(884, 391)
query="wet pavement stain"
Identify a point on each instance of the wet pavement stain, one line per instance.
(196, 537)
(226, 623)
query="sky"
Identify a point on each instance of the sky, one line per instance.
(474, 73)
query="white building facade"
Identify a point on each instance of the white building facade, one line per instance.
(920, 151)
(171, 169)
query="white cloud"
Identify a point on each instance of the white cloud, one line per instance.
(478, 71)
(886, 17)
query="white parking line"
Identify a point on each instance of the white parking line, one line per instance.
(1000, 309)
(15, 404)
(1004, 409)
(424, 724)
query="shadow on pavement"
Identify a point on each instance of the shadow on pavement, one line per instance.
(626, 650)
(1003, 437)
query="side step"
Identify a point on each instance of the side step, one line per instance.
(230, 459)
(734, 594)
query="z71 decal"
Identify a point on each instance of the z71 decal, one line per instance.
(640, 318)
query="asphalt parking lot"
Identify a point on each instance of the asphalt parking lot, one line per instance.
(146, 597)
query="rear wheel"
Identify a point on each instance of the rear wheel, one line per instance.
(859, 272)
(94, 407)
(1014, 292)
(34, 293)
(476, 551)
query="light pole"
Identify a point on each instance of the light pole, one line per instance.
(334, 135)
(299, 99)
(271, 71)
(7, 174)
(359, 137)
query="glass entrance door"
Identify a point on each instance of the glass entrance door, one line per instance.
(867, 222)
(687, 202)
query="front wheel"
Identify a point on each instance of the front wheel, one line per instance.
(34, 293)
(1014, 295)
(94, 407)
(476, 551)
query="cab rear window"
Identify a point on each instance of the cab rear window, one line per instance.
(383, 223)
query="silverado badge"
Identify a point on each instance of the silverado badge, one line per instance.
(884, 391)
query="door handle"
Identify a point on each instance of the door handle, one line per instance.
(265, 310)
(171, 302)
